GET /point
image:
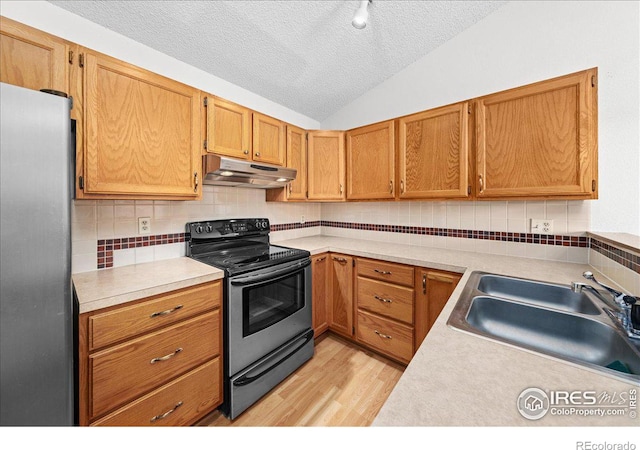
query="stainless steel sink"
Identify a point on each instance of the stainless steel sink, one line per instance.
(544, 318)
(539, 293)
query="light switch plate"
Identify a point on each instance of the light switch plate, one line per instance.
(542, 226)
(144, 225)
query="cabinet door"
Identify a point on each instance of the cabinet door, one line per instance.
(371, 162)
(320, 293)
(31, 58)
(141, 132)
(325, 169)
(268, 140)
(228, 129)
(434, 153)
(297, 159)
(341, 311)
(539, 140)
(433, 289)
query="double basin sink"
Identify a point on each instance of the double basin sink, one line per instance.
(546, 318)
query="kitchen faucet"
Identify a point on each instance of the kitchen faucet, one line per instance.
(625, 308)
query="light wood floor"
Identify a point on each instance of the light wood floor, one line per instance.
(342, 385)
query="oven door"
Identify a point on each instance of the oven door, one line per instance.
(266, 309)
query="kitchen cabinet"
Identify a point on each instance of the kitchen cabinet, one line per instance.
(320, 277)
(341, 294)
(433, 289)
(141, 133)
(371, 162)
(236, 131)
(228, 128)
(155, 361)
(385, 307)
(33, 59)
(269, 140)
(326, 166)
(434, 153)
(539, 140)
(297, 159)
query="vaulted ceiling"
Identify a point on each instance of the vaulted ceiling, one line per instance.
(304, 55)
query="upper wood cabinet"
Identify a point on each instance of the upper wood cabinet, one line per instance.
(434, 153)
(539, 140)
(141, 133)
(228, 128)
(371, 162)
(297, 159)
(326, 165)
(269, 141)
(32, 59)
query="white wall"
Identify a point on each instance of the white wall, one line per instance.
(59, 22)
(524, 42)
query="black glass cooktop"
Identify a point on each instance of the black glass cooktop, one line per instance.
(238, 260)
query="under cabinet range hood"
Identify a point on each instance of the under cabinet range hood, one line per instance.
(225, 171)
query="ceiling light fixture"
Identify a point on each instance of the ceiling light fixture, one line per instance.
(362, 14)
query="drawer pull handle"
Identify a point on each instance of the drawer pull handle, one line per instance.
(383, 300)
(162, 416)
(382, 272)
(340, 260)
(165, 357)
(321, 259)
(385, 336)
(164, 313)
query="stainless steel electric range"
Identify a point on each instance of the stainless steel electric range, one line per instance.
(266, 309)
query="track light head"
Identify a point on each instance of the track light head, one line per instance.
(362, 14)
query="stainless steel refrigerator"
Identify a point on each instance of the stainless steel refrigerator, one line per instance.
(37, 326)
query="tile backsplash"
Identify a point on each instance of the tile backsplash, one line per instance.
(105, 232)
(116, 220)
(506, 221)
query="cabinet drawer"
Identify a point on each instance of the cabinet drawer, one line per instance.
(196, 393)
(387, 336)
(386, 299)
(165, 309)
(124, 372)
(386, 271)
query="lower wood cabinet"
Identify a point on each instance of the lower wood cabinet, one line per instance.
(320, 277)
(341, 294)
(433, 289)
(155, 361)
(384, 306)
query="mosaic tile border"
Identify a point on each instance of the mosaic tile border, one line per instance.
(106, 247)
(623, 257)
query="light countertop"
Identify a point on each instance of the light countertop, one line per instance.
(109, 287)
(457, 379)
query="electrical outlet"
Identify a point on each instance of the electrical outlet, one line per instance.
(302, 219)
(144, 225)
(542, 226)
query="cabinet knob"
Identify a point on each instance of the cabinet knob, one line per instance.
(258, 154)
(246, 152)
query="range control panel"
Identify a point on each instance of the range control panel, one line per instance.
(227, 228)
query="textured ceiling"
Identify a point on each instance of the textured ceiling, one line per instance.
(304, 55)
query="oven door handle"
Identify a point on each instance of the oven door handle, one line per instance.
(269, 276)
(275, 360)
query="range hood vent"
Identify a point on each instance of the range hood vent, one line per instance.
(225, 171)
